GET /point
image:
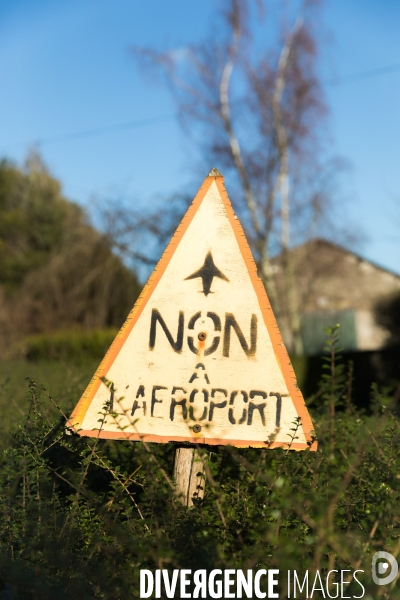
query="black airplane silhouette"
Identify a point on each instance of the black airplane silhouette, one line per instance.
(207, 272)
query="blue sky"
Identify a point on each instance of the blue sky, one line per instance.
(65, 67)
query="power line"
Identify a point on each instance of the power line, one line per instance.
(364, 74)
(85, 133)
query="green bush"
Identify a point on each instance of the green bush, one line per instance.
(66, 380)
(81, 516)
(73, 345)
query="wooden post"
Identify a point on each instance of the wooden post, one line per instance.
(187, 468)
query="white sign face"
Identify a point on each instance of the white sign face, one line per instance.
(200, 357)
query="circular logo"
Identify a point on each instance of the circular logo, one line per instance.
(381, 568)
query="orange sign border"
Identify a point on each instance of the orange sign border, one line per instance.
(277, 343)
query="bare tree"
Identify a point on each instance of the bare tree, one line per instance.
(140, 235)
(257, 109)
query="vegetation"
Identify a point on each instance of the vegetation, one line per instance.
(81, 516)
(71, 345)
(65, 379)
(56, 271)
(34, 218)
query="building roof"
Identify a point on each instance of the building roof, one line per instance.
(330, 277)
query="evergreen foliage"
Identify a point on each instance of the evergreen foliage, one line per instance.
(56, 270)
(34, 218)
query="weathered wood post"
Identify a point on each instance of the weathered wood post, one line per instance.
(189, 474)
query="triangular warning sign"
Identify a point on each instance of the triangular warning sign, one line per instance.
(200, 357)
